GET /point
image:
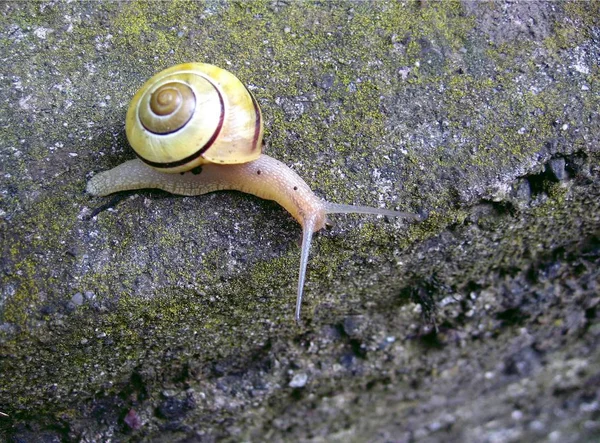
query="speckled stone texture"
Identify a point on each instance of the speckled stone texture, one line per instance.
(150, 317)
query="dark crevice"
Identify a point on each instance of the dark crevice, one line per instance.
(512, 317)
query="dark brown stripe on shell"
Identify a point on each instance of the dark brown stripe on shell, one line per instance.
(257, 121)
(199, 152)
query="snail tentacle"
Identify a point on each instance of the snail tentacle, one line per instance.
(308, 228)
(336, 208)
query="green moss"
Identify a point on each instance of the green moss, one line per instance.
(139, 27)
(583, 17)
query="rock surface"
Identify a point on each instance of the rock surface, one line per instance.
(167, 318)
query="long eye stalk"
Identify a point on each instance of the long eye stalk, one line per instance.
(335, 208)
(307, 233)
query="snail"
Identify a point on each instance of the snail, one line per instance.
(195, 128)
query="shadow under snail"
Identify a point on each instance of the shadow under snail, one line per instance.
(196, 128)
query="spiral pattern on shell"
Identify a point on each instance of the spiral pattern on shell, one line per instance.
(192, 114)
(170, 108)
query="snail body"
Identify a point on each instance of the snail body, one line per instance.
(224, 155)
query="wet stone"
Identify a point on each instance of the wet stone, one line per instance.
(77, 299)
(557, 168)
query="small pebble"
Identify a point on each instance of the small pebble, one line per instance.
(77, 299)
(516, 415)
(557, 167)
(133, 420)
(299, 380)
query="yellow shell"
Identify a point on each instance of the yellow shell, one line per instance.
(191, 114)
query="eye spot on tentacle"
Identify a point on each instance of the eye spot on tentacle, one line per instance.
(197, 170)
(258, 172)
(295, 188)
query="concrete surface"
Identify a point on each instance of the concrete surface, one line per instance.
(167, 318)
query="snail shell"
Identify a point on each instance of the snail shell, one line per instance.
(192, 114)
